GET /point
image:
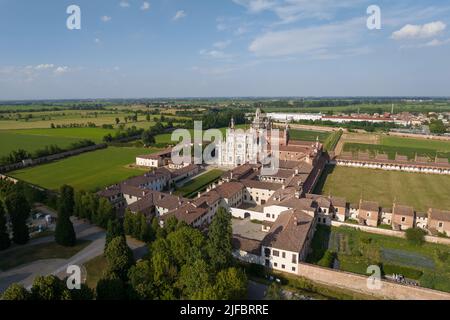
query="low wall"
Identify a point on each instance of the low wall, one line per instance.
(387, 232)
(358, 283)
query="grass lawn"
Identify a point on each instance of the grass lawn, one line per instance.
(421, 191)
(94, 270)
(306, 135)
(428, 263)
(12, 140)
(23, 255)
(442, 146)
(90, 171)
(194, 186)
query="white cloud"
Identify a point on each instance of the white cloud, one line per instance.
(215, 54)
(222, 44)
(256, 6)
(124, 4)
(179, 15)
(318, 41)
(44, 66)
(105, 18)
(61, 70)
(424, 31)
(145, 6)
(292, 10)
(97, 40)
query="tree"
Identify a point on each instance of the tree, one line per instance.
(115, 229)
(64, 231)
(437, 126)
(110, 287)
(5, 241)
(415, 236)
(231, 284)
(148, 138)
(19, 212)
(105, 212)
(119, 257)
(49, 288)
(117, 121)
(186, 245)
(141, 281)
(219, 245)
(16, 292)
(83, 294)
(147, 117)
(193, 278)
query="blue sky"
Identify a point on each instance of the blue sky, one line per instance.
(205, 48)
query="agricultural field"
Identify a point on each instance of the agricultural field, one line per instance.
(421, 191)
(441, 146)
(429, 264)
(199, 184)
(90, 171)
(12, 140)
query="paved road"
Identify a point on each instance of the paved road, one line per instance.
(26, 274)
(256, 291)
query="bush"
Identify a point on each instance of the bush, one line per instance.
(415, 236)
(328, 259)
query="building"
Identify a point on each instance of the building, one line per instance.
(403, 217)
(155, 160)
(369, 213)
(439, 221)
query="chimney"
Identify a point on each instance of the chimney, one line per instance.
(296, 171)
(199, 195)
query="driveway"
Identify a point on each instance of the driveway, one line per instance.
(26, 274)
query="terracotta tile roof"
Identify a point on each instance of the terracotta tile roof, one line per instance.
(369, 206)
(261, 185)
(289, 232)
(338, 202)
(229, 189)
(208, 198)
(248, 245)
(440, 215)
(403, 210)
(134, 191)
(188, 213)
(110, 192)
(157, 155)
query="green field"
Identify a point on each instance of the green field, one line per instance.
(90, 171)
(94, 134)
(428, 263)
(409, 147)
(421, 191)
(306, 135)
(194, 186)
(11, 140)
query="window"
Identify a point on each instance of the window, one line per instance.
(441, 224)
(294, 258)
(268, 215)
(368, 214)
(283, 254)
(276, 253)
(267, 252)
(293, 269)
(275, 264)
(403, 219)
(283, 266)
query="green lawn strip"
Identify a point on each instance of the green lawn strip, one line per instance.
(442, 146)
(89, 171)
(306, 135)
(94, 270)
(199, 184)
(24, 255)
(94, 134)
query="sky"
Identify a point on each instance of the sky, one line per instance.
(223, 48)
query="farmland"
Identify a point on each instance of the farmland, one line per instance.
(421, 191)
(90, 171)
(428, 263)
(306, 135)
